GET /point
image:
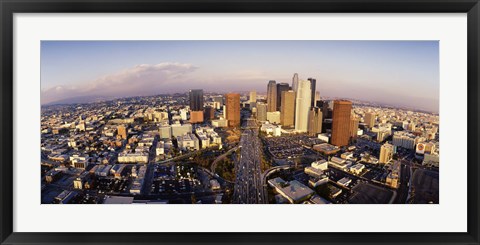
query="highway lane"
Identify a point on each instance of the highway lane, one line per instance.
(248, 182)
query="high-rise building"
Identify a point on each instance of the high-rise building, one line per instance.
(272, 96)
(341, 122)
(209, 112)
(313, 87)
(196, 116)
(232, 103)
(353, 127)
(287, 112)
(315, 121)
(317, 96)
(386, 153)
(303, 99)
(196, 99)
(370, 119)
(253, 96)
(280, 88)
(295, 82)
(273, 117)
(122, 131)
(261, 112)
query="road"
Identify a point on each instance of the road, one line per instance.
(248, 182)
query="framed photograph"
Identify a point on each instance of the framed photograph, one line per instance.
(167, 122)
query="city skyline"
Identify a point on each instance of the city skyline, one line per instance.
(402, 73)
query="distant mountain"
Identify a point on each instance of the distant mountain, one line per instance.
(81, 100)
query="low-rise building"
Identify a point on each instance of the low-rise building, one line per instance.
(326, 149)
(357, 168)
(271, 129)
(133, 157)
(188, 142)
(293, 191)
(320, 164)
(344, 181)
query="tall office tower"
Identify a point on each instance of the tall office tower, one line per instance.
(369, 119)
(196, 99)
(196, 116)
(287, 112)
(353, 126)
(122, 131)
(386, 153)
(295, 82)
(209, 112)
(272, 96)
(253, 96)
(314, 121)
(302, 106)
(261, 112)
(232, 103)
(341, 122)
(280, 88)
(313, 87)
(317, 97)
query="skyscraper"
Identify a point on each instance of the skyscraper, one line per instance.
(303, 99)
(280, 88)
(386, 153)
(369, 119)
(253, 96)
(295, 82)
(261, 112)
(232, 103)
(196, 116)
(317, 96)
(315, 121)
(209, 112)
(353, 126)
(272, 96)
(341, 122)
(313, 87)
(287, 113)
(196, 99)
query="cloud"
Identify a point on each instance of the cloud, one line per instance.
(144, 79)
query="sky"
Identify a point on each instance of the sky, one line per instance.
(402, 73)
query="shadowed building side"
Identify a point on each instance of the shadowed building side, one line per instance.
(341, 122)
(232, 104)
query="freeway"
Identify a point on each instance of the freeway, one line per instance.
(248, 181)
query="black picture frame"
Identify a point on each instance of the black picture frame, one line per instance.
(9, 7)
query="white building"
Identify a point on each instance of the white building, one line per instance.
(404, 139)
(181, 129)
(302, 107)
(203, 139)
(220, 123)
(133, 157)
(344, 181)
(320, 164)
(324, 137)
(188, 141)
(275, 130)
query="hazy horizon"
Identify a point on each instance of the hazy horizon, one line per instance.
(403, 73)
